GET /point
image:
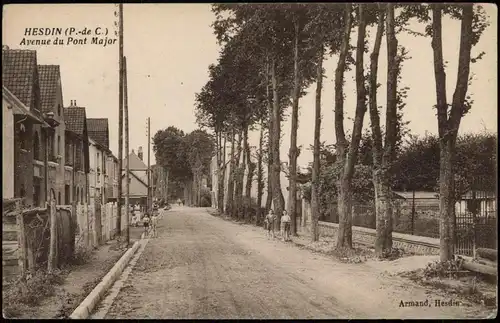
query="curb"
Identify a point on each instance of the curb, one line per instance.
(84, 310)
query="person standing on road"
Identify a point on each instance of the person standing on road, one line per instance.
(269, 221)
(145, 220)
(154, 223)
(285, 220)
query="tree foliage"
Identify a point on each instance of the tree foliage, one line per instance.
(170, 152)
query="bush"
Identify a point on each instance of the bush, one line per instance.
(205, 198)
(18, 297)
(205, 202)
(443, 269)
(81, 256)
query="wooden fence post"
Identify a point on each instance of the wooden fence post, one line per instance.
(21, 240)
(53, 237)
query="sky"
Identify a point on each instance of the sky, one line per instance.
(170, 46)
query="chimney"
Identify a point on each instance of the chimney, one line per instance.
(139, 152)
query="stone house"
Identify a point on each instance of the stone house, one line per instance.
(77, 151)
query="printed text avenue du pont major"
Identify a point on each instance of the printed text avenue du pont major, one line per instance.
(68, 36)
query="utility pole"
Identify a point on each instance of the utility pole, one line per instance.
(127, 164)
(120, 121)
(149, 165)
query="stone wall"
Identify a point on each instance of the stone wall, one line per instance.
(410, 243)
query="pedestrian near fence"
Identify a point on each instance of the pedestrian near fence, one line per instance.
(154, 224)
(285, 222)
(269, 221)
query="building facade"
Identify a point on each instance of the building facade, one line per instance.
(99, 177)
(77, 145)
(17, 133)
(138, 189)
(21, 82)
(52, 103)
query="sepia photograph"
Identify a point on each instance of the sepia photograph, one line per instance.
(250, 161)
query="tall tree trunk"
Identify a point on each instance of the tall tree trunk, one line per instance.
(448, 126)
(339, 87)
(241, 172)
(391, 125)
(341, 144)
(292, 185)
(276, 169)
(251, 170)
(315, 210)
(377, 135)
(270, 130)
(238, 187)
(222, 177)
(383, 156)
(230, 183)
(218, 156)
(260, 174)
(344, 238)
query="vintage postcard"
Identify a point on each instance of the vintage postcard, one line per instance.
(249, 161)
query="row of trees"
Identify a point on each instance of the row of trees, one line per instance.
(187, 157)
(272, 52)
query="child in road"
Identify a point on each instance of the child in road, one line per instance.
(269, 221)
(145, 220)
(285, 220)
(154, 223)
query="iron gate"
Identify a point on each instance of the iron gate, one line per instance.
(476, 219)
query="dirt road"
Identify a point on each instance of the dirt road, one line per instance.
(201, 266)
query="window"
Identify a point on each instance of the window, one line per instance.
(59, 145)
(23, 137)
(58, 109)
(36, 147)
(36, 191)
(59, 198)
(68, 152)
(66, 195)
(77, 194)
(81, 195)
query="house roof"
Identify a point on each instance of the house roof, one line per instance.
(418, 195)
(19, 108)
(74, 118)
(135, 175)
(135, 163)
(98, 130)
(19, 72)
(49, 76)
